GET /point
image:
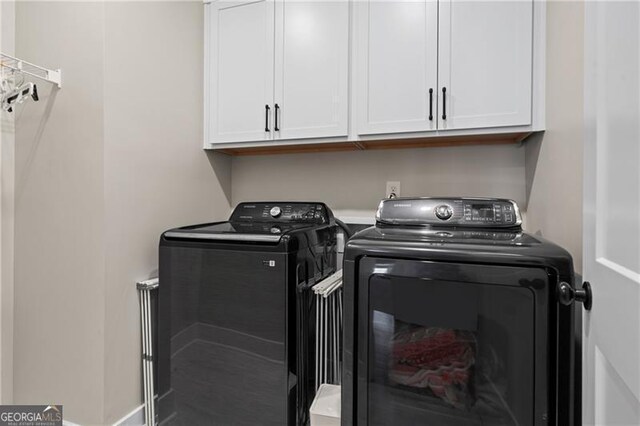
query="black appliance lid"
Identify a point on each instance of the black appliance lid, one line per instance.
(260, 222)
(465, 230)
(488, 246)
(266, 232)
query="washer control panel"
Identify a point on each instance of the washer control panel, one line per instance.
(286, 211)
(466, 212)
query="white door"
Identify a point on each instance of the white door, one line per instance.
(312, 69)
(396, 60)
(241, 70)
(612, 213)
(485, 63)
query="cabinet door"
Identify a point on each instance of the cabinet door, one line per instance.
(485, 63)
(240, 70)
(312, 65)
(396, 66)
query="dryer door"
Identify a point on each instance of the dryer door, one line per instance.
(451, 344)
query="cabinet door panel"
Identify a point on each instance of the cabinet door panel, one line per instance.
(396, 66)
(241, 70)
(485, 63)
(312, 65)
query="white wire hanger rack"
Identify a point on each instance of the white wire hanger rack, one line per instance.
(328, 294)
(33, 70)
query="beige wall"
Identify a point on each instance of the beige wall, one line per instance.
(554, 160)
(7, 155)
(156, 174)
(102, 169)
(356, 181)
(59, 229)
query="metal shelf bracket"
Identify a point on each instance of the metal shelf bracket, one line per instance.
(33, 70)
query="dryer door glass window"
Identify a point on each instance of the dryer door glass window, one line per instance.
(448, 353)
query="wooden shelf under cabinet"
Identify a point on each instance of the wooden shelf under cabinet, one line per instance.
(496, 139)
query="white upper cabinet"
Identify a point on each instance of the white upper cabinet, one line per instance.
(396, 66)
(312, 69)
(294, 72)
(277, 69)
(240, 72)
(485, 63)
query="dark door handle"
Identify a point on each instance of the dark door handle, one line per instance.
(430, 104)
(568, 295)
(266, 118)
(276, 128)
(444, 103)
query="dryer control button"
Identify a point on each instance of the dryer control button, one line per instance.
(443, 212)
(275, 211)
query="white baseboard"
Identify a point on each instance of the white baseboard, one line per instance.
(134, 418)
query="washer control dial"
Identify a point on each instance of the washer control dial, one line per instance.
(275, 211)
(444, 212)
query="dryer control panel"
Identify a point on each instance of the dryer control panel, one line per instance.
(464, 212)
(285, 211)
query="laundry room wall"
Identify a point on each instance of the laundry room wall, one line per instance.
(7, 143)
(102, 168)
(156, 174)
(554, 159)
(354, 182)
(59, 201)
